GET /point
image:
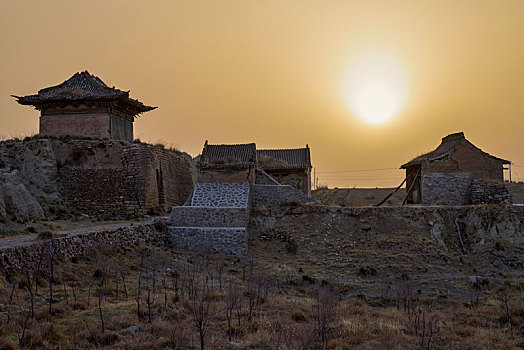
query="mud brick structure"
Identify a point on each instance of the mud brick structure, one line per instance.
(445, 175)
(85, 106)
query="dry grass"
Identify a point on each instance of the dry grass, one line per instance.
(282, 314)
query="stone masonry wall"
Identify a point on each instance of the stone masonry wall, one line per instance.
(221, 195)
(231, 241)
(446, 189)
(162, 177)
(268, 195)
(212, 217)
(96, 176)
(27, 257)
(489, 192)
(98, 191)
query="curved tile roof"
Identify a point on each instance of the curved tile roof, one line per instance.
(284, 158)
(81, 86)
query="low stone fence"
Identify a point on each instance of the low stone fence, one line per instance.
(26, 257)
(210, 217)
(278, 194)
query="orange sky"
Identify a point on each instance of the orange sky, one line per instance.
(271, 72)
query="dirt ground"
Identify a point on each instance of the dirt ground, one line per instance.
(373, 255)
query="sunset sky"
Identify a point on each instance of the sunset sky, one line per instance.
(285, 74)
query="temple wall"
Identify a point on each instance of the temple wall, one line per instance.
(121, 129)
(81, 124)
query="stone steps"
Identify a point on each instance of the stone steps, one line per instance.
(214, 220)
(228, 195)
(209, 217)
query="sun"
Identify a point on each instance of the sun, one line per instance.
(375, 89)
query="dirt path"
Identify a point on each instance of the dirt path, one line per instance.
(32, 239)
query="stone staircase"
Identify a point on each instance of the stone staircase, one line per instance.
(214, 220)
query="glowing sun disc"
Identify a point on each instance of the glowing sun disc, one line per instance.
(375, 89)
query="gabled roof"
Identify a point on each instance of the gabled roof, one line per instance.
(82, 86)
(228, 155)
(448, 146)
(284, 158)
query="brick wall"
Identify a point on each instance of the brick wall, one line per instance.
(82, 124)
(98, 191)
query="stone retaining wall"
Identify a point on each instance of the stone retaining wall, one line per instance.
(210, 217)
(221, 195)
(27, 257)
(98, 191)
(230, 241)
(277, 195)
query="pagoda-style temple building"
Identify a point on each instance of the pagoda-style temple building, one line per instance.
(84, 106)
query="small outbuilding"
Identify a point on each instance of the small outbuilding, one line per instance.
(84, 106)
(455, 173)
(227, 163)
(238, 163)
(287, 166)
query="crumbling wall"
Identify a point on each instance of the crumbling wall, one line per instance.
(446, 189)
(95, 177)
(163, 177)
(466, 159)
(489, 192)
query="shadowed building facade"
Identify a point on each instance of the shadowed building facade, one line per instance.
(244, 163)
(84, 106)
(445, 175)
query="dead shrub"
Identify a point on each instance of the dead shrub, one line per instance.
(298, 316)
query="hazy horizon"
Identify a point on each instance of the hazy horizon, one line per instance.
(275, 72)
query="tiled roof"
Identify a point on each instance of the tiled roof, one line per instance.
(82, 86)
(284, 158)
(448, 146)
(240, 154)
